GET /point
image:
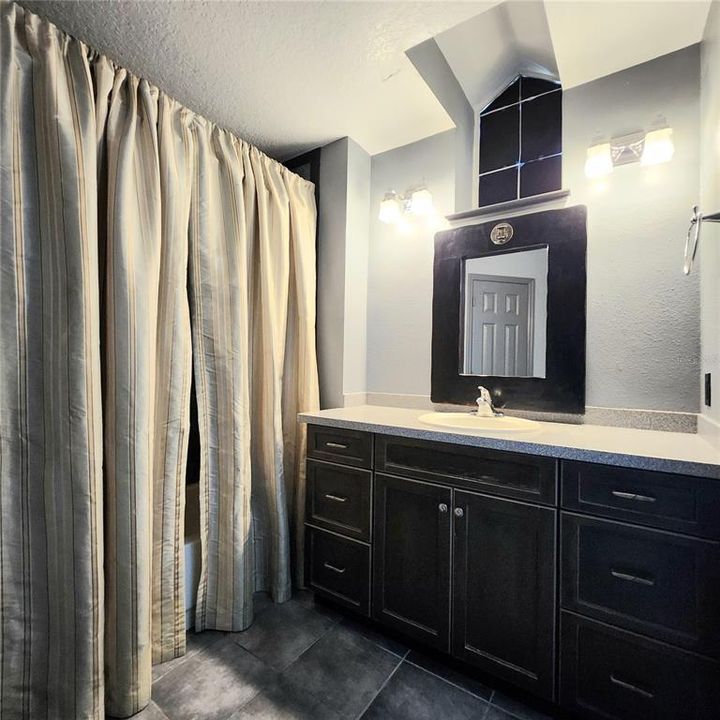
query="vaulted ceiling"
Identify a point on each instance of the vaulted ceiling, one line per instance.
(289, 76)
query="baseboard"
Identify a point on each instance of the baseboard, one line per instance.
(709, 429)
(413, 402)
(355, 399)
(663, 420)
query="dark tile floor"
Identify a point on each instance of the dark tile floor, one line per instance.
(306, 661)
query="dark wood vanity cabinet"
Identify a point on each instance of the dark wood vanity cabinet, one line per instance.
(640, 594)
(594, 586)
(338, 516)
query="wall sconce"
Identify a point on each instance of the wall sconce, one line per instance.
(651, 148)
(599, 160)
(659, 146)
(390, 211)
(417, 201)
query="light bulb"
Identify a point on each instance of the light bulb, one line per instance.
(389, 209)
(421, 202)
(659, 147)
(598, 161)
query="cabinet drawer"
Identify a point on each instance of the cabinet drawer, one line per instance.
(653, 582)
(616, 675)
(349, 447)
(523, 477)
(675, 502)
(339, 569)
(338, 499)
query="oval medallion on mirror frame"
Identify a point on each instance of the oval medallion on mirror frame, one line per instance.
(562, 390)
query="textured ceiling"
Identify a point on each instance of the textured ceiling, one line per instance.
(285, 76)
(290, 76)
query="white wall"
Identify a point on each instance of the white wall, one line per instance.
(643, 316)
(709, 255)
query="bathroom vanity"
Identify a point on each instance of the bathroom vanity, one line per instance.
(579, 563)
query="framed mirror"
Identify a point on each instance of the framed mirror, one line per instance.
(504, 313)
(509, 312)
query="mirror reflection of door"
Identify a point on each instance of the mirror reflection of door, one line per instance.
(501, 325)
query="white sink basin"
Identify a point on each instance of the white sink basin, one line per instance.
(467, 421)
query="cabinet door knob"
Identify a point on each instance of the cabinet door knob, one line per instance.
(442, 507)
(459, 512)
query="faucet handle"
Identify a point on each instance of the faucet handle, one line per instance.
(485, 394)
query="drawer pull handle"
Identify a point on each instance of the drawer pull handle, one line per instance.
(335, 498)
(632, 578)
(631, 687)
(338, 570)
(633, 496)
(339, 446)
(442, 507)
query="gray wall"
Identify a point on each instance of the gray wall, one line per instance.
(400, 268)
(332, 218)
(643, 317)
(709, 257)
(356, 271)
(430, 62)
(643, 340)
(342, 270)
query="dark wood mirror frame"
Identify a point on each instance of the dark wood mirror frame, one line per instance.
(562, 390)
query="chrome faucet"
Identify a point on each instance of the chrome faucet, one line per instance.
(485, 407)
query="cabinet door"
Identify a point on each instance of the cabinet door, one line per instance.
(411, 560)
(504, 589)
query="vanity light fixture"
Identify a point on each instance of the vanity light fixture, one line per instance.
(648, 148)
(659, 146)
(599, 160)
(421, 202)
(390, 209)
(416, 201)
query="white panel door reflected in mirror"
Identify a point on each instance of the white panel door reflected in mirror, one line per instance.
(505, 314)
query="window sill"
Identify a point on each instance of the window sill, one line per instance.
(509, 206)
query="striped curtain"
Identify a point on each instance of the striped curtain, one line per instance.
(139, 243)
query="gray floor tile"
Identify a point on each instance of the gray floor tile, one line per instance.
(283, 701)
(444, 668)
(194, 643)
(344, 670)
(413, 694)
(495, 713)
(151, 712)
(307, 599)
(376, 635)
(517, 708)
(261, 602)
(280, 634)
(212, 684)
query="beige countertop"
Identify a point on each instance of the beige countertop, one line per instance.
(645, 449)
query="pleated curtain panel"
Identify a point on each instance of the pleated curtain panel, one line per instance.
(141, 245)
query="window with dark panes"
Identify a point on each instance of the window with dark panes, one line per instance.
(521, 142)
